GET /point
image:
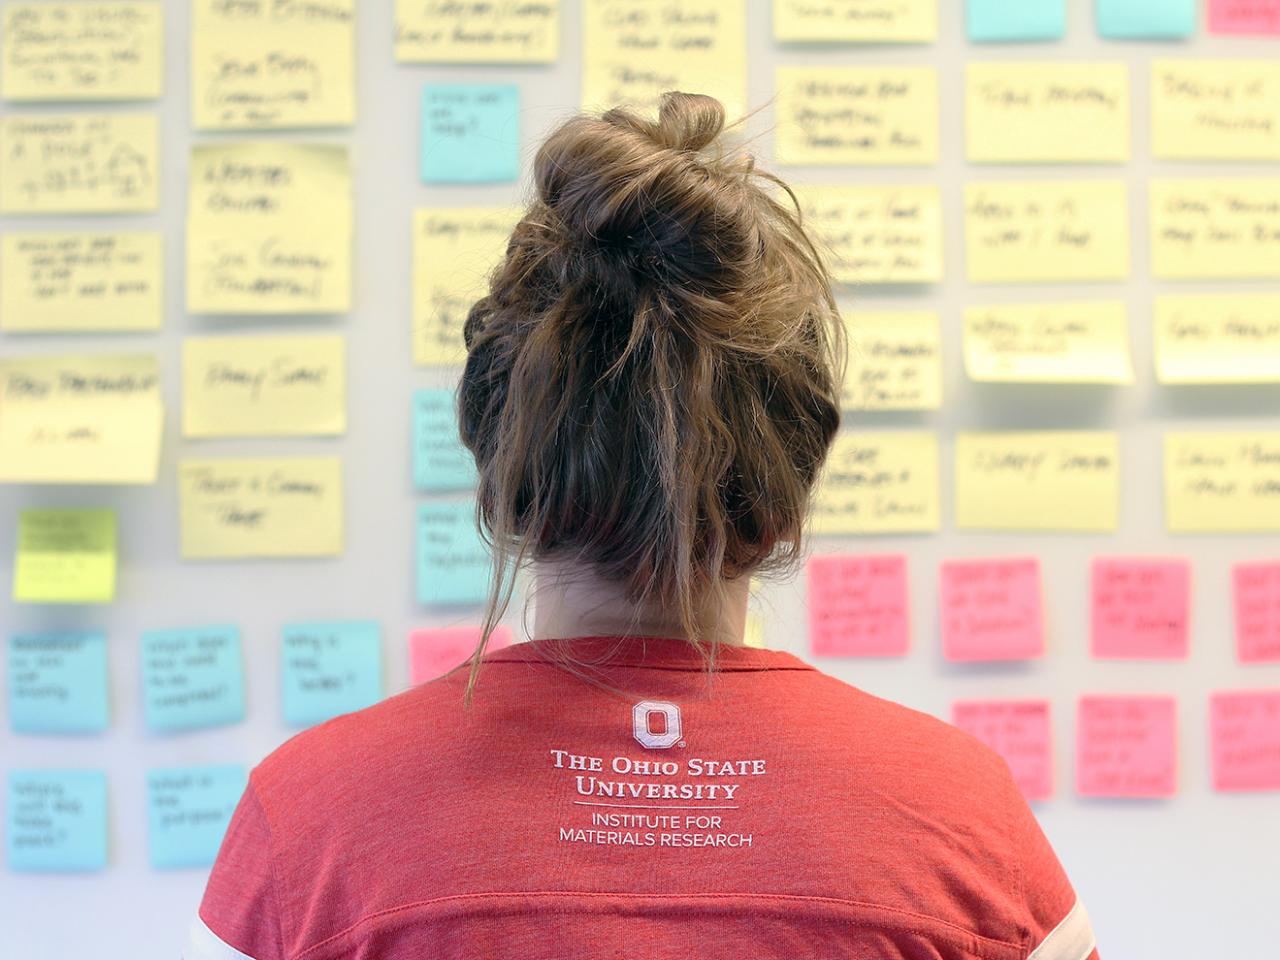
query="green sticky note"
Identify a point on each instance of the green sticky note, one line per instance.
(65, 556)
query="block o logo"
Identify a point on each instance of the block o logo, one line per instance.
(640, 718)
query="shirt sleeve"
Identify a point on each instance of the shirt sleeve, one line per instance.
(239, 915)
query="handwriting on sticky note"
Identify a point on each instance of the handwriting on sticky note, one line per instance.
(192, 677)
(1244, 16)
(1256, 592)
(1244, 726)
(897, 362)
(82, 51)
(858, 605)
(1140, 608)
(271, 66)
(58, 682)
(1226, 227)
(56, 820)
(329, 669)
(876, 234)
(1084, 341)
(1046, 230)
(454, 564)
(883, 482)
(428, 31)
(65, 556)
(1047, 112)
(435, 652)
(1218, 338)
(269, 228)
(440, 462)
(264, 386)
(1018, 730)
(188, 810)
(1215, 109)
(1126, 746)
(1222, 482)
(470, 132)
(991, 609)
(856, 21)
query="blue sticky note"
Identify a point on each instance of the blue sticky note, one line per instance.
(454, 564)
(188, 809)
(470, 132)
(995, 21)
(329, 668)
(1146, 19)
(441, 464)
(56, 820)
(58, 682)
(192, 677)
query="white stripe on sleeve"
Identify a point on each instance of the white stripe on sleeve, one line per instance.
(1072, 939)
(204, 944)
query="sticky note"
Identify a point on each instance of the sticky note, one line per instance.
(192, 677)
(1244, 16)
(991, 609)
(1083, 341)
(79, 163)
(427, 31)
(254, 386)
(188, 810)
(56, 821)
(86, 418)
(1244, 727)
(65, 556)
(441, 464)
(470, 132)
(454, 564)
(260, 507)
(1037, 112)
(1020, 731)
(82, 51)
(881, 482)
(257, 66)
(1146, 19)
(895, 363)
(454, 251)
(878, 233)
(1226, 482)
(856, 115)
(1215, 109)
(434, 652)
(994, 21)
(855, 21)
(1210, 228)
(753, 630)
(858, 605)
(81, 282)
(1217, 338)
(1047, 230)
(1126, 746)
(1256, 595)
(634, 51)
(1140, 608)
(329, 668)
(1037, 480)
(58, 682)
(269, 228)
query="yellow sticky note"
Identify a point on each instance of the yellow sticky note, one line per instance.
(634, 50)
(895, 361)
(91, 418)
(79, 163)
(1028, 480)
(260, 507)
(1043, 112)
(1045, 230)
(82, 51)
(1085, 341)
(1224, 482)
(753, 634)
(883, 233)
(65, 556)
(878, 483)
(454, 251)
(269, 228)
(271, 66)
(1218, 338)
(856, 115)
(855, 21)
(264, 385)
(1215, 109)
(428, 31)
(1227, 227)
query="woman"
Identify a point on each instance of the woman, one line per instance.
(651, 388)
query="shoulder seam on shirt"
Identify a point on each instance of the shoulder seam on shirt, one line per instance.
(281, 923)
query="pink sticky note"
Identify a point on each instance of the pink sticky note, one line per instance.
(1244, 16)
(1140, 608)
(990, 609)
(1019, 731)
(1244, 726)
(1257, 596)
(1126, 746)
(858, 606)
(436, 651)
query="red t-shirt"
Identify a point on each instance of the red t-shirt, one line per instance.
(774, 811)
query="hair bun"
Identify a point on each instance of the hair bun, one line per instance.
(689, 121)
